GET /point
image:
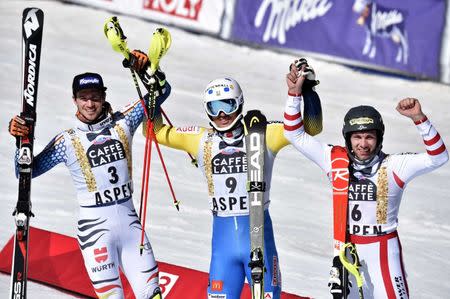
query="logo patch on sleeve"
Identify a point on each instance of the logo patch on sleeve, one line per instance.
(188, 130)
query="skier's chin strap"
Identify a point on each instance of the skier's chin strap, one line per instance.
(237, 122)
(369, 168)
(233, 136)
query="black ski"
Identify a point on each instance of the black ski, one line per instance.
(32, 23)
(255, 141)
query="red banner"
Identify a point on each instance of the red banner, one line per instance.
(176, 8)
(56, 260)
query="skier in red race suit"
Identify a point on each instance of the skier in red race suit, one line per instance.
(376, 182)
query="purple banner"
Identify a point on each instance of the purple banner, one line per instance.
(397, 34)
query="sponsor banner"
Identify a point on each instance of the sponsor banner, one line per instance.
(198, 15)
(404, 36)
(56, 260)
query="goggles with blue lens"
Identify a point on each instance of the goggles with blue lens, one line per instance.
(227, 106)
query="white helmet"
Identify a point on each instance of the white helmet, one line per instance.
(223, 95)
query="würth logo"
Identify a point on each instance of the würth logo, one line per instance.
(101, 254)
(31, 23)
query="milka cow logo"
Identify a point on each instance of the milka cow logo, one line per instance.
(384, 22)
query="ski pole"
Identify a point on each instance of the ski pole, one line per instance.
(353, 268)
(145, 179)
(150, 137)
(175, 201)
(151, 112)
(145, 168)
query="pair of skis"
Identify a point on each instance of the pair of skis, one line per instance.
(255, 125)
(340, 180)
(32, 25)
(159, 45)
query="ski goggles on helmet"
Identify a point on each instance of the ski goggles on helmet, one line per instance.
(227, 106)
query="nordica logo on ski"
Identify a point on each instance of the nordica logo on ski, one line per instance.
(30, 90)
(31, 22)
(30, 25)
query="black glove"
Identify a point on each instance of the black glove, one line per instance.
(337, 279)
(310, 80)
(158, 79)
(312, 107)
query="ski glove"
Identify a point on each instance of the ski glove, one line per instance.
(308, 72)
(18, 128)
(312, 108)
(158, 79)
(161, 97)
(336, 277)
(139, 61)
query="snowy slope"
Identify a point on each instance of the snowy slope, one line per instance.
(73, 42)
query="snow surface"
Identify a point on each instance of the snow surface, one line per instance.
(301, 210)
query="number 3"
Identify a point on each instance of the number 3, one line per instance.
(114, 177)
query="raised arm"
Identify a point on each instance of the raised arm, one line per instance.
(436, 153)
(294, 129)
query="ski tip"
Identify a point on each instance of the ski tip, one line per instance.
(115, 36)
(166, 36)
(159, 45)
(109, 24)
(36, 10)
